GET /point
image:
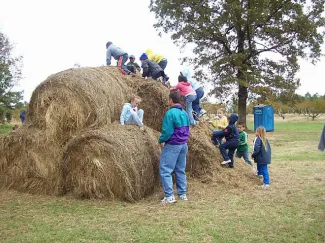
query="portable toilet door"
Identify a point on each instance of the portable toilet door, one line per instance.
(264, 116)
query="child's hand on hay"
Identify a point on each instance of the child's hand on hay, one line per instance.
(223, 140)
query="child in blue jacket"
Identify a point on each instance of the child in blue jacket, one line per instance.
(118, 54)
(231, 134)
(262, 155)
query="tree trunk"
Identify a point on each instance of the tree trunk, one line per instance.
(242, 100)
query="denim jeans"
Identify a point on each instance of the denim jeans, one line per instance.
(264, 171)
(196, 103)
(173, 158)
(216, 140)
(245, 155)
(188, 101)
(121, 64)
(163, 63)
(231, 147)
(135, 118)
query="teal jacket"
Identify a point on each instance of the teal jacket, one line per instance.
(175, 127)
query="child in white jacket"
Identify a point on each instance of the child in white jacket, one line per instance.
(130, 114)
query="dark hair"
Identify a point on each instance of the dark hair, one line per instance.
(108, 43)
(175, 96)
(241, 123)
(182, 78)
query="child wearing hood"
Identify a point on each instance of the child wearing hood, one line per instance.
(231, 134)
(157, 58)
(189, 93)
(198, 111)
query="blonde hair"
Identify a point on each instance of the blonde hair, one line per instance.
(222, 109)
(262, 134)
(133, 97)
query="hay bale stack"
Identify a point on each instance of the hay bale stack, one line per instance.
(114, 162)
(202, 154)
(29, 162)
(78, 98)
(154, 101)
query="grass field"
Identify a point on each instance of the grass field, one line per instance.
(292, 210)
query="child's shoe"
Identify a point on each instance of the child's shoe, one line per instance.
(225, 162)
(132, 74)
(202, 112)
(160, 79)
(170, 199)
(183, 197)
(265, 186)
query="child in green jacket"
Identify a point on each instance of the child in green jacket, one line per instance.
(242, 150)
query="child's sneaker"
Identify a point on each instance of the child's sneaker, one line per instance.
(183, 197)
(225, 162)
(202, 112)
(170, 199)
(160, 79)
(265, 186)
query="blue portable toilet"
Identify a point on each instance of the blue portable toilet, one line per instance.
(264, 116)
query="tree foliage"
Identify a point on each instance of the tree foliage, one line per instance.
(249, 45)
(10, 74)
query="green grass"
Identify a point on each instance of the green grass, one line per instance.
(293, 210)
(5, 129)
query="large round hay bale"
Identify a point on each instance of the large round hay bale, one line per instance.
(78, 98)
(114, 162)
(154, 101)
(29, 162)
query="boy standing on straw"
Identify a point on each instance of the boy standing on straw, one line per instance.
(242, 150)
(130, 114)
(175, 133)
(120, 55)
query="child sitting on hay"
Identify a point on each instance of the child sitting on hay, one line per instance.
(130, 114)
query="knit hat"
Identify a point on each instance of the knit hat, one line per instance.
(132, 56)
(144, 56)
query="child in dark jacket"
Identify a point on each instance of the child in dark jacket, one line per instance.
(262, 155)
(230, 133)
(151, 69)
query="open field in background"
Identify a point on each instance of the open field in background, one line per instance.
(292, 210)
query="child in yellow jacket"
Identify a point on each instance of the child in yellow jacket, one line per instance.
(220, 122)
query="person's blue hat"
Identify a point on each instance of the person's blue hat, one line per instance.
(144, 56)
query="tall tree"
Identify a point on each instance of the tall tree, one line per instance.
(251, 46)
(10, 74)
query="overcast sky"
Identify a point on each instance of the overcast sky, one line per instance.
(54, 35)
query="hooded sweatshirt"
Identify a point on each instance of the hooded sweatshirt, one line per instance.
(154, 57)
(185, 89)
(195, 84)
(230, 132)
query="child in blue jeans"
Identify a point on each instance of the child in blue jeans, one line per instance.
(230, 133)
(262, 155)
(242, 150)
